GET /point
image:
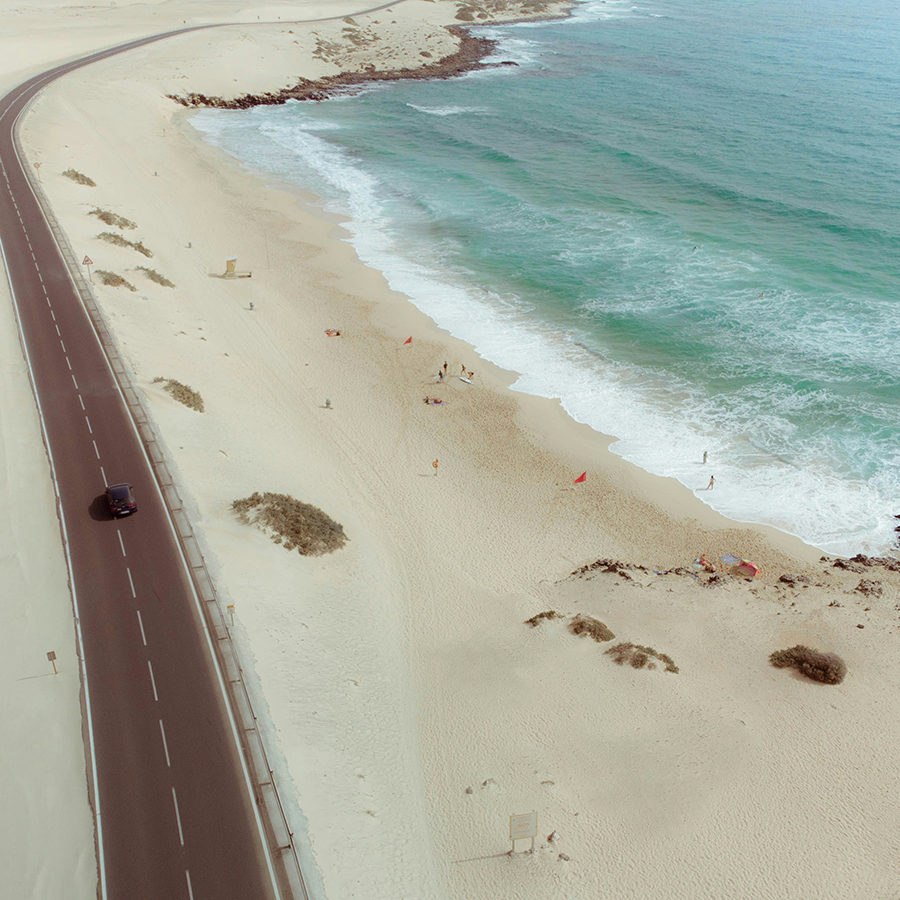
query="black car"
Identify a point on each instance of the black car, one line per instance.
(120, 499)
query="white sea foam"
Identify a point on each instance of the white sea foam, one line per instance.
(448, 110)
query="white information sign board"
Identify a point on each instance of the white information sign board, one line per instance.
(523, 826)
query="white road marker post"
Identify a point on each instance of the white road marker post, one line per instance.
(523, 826)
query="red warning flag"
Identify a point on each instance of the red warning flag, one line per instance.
(581, 478)
(408, 340)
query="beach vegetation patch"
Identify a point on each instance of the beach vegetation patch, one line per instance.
(181, 392)
(639, 657)
(292, 523)
(827, 668)
(110, 279)
(111, 218)
(534, 621)
(80, 178)
(155, 277)
(112, 238)
(592, 627)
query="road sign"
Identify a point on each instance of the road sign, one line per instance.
(87, 261)
(37, 165)
(51, 655)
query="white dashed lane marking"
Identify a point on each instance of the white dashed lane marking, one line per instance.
(162, 731)
(122, 545)
(81, 401)
(152, 682)
(178, 817)
(187, 875)
(141, 623)
(131, 582)
(86, 419)
(95, 449)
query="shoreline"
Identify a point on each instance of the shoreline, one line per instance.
(469, 57)
(410, 705)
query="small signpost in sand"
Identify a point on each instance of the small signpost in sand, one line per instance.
(87, 261)
(51, 655)
(523, 826)
(37, 166)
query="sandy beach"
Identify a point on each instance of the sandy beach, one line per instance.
(407, 702)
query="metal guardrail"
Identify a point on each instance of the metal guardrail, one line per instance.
(278, 830)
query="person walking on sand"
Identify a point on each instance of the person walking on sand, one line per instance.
(712, 482)
(435, 464)
(705, 454)
(445, 367)
(440, 375)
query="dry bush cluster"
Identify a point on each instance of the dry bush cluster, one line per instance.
(534, 621)
(80, 178)
(111, 218)
(827, 668)
(110, 279)
(293, 524)
(639, 657)
(112, 238)
(182, 393)
(154, 276)
(592, 627)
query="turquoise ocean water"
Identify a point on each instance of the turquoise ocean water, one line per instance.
(682, 218)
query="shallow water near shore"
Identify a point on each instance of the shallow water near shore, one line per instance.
(682, 219)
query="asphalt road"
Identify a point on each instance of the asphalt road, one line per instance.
(176, 814)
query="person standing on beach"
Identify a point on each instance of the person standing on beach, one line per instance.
(463, 370)
(445, 367)
(435, 464)
(712, 482)
(440, 375)
(705, 454)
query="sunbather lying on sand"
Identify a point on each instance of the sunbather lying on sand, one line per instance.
(434, 401)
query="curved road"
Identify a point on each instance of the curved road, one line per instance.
(175, 812)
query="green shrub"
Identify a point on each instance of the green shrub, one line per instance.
(293, 524)
(827, 668)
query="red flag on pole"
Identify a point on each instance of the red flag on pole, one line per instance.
(408, 340)
(581, 478)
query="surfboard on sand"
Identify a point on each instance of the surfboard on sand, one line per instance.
(466, 380)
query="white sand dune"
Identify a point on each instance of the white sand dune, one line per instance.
(399, 672)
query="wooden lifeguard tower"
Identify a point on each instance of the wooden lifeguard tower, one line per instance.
(231, 269)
